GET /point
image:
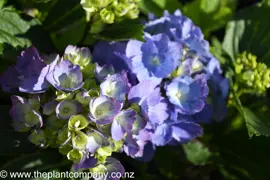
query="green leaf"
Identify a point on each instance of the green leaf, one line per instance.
(158, 6)
(42, 161)
(1, 49)
(149, 6)
(129, 29)
(197, 153)
(210, 15)
(66, 23)
(248, 31)
(255, 125)
(234, 33)
(12, 25)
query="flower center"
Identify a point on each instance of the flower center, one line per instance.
(178, 94)
(65, 110)
(155, 61)
(99, 112)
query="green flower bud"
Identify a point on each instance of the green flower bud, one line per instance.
(107, 16)
(133, 13)
(64, 136)
(82, 57)
(83, 97)
(54, 123)
(94, 3)
(75, 155)
(38, 138)
(79, 140)
(34, 103)
(77, 122)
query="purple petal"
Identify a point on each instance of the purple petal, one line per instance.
(86, 163)
(122, 124)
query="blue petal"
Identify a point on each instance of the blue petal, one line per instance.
(183, 131)
(162, 135)
(139, 92)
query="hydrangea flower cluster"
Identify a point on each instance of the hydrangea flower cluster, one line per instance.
(110, 11)
(129, 96)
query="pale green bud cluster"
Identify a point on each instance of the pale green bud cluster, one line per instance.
(111, 11)
(253, 74)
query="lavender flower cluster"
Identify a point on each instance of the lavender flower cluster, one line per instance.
(123, 97)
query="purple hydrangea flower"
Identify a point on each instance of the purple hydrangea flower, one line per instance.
(123, 123)
(103, 109)
(187, 94)
(116, 86)
(66, 76)
(156, 58)
(28, 75)
(24, 114)
(95, 141)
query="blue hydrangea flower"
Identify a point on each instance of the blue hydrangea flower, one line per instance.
(66, 76)
(67, 108)
(181, 131)
(103, 109)
(116, 86)
(140, 146)
(187, 94)
(123, 123)
(172, 24)
(156, 58)
(153, 105)
(24, 114)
